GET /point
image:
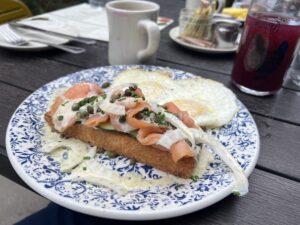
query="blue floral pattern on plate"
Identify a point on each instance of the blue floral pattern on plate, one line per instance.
(24, 134)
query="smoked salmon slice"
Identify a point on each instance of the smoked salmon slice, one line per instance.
(180, 150)
(95, 120)
(136, 123)
(80, 90)
(149, 135)
(182, 115)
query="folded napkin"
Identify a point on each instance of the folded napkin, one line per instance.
(81, 20)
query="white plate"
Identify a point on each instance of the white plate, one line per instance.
(33, 46)
(40, 172)
(174, 35)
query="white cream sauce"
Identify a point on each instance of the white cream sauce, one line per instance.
(79, 158)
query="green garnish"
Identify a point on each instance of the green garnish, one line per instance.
(122, 98)
(86, 157)
(65, 103)
(194, 178)
(104, 96)
(105, 85)
(100, 111)
(91, 99)
(160, 119)
(84, 168)
(60, 118)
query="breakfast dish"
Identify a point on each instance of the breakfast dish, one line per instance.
(174, 35)
(129, 150)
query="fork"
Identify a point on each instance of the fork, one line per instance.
(9, 35)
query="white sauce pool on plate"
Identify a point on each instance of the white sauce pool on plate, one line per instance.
(81, 160)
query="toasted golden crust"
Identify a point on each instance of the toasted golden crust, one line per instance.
(129, 147)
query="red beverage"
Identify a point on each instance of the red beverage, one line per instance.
(265, 52)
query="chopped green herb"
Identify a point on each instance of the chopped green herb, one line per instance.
(64, 104)
(104, 96)
(91, 99)
(86, 157)
(100, 111)
(84, 168)
(194, 178)
(160, 119)
(60, 118)
(105, 85)
(122, 98)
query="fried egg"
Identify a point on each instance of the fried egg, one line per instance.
(210, 103)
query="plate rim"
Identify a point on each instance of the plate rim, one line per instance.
(112, 213)
(173, 34)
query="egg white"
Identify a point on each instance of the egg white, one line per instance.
(210, 103)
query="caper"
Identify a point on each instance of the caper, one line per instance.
(83, 114)
(99, 110)
(105, 85)
(122, 119)
(60, 118)
(111, 154)
(90, 109)
(127, 92)
(75, 107)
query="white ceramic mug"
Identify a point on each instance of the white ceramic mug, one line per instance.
(133, 32)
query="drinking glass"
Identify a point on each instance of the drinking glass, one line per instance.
(270, 36)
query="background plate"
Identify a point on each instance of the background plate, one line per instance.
(174, 34)
(39, 171)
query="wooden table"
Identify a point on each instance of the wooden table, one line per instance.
(274, 196)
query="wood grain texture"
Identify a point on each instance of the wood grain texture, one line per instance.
(11, 97)
(30, 71)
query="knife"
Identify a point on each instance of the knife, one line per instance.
(53, 33)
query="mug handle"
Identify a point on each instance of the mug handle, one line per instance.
(220, 6)
(153, 34)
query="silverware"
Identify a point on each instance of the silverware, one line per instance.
(53, 33)
(12, 37)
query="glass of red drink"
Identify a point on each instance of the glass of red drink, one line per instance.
(271, 34)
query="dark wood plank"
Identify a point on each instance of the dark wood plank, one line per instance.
(11, 97)
(280, 147)
(276, 106)
(31, 71)
(275, 155)
(271, 200)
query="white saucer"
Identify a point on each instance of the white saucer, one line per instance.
(174, 35)
(33, 46)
